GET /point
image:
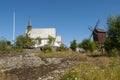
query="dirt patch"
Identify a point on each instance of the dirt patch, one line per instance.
(31, 73)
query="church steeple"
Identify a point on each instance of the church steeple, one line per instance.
(29, 27)
(29, 22)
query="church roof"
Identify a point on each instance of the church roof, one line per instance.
(42, 32)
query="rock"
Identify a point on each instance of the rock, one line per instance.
(27, 66)
(54, 60)
(19, 61)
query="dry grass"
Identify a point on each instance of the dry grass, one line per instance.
(99, 68)
(69, 55)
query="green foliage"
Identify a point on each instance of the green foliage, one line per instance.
(108, 45)
(38, 40)
(73, 45)
(88, 45)
(114, 53)
(24, 42)
(4, 45)
(70, 75)
(62, 47)
(88, 71)
(47, 49)
(50, 40)
(113, 32)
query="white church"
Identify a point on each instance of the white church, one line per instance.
(43, 33)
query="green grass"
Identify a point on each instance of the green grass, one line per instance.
(62, 54)
(92, 70)
(90, 67)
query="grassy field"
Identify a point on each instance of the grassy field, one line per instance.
(88, 66)
(100, 68)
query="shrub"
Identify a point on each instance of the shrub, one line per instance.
(5, 46)
(114, 52)
(73, 45)
(62, 47)
(47, 49)
(24, 41)
(108, 45)
(88, 45)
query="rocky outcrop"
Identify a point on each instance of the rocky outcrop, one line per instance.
(19, 60)
(27, 66)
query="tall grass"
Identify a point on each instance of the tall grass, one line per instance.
(66, 55)
(93, 71)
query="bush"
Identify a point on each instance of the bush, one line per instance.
(73, 45)
(114, 53)
(5, 46)
(88, 45)
(108, 45)
(24, 41)
(62, 47)
(47, 49)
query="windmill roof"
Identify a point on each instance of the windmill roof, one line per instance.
(100, 30)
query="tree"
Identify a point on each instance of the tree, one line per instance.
(73, 45)
(113, 32)
(50, 40)
(24, 41)
(88, 45)
(38, 40)
(62, 47)
(4, 45)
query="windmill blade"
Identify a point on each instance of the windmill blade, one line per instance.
(91, 35)
(96, 24)
(90, 29)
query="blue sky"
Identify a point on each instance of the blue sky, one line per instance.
(70, 17)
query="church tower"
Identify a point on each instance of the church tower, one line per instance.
(29, 27)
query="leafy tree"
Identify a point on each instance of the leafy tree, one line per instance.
(50, 40)
(113, 32)
(62, 47)
(4, 45)
(38, 40)
(88, 45)
(24, 41)
(73, 45)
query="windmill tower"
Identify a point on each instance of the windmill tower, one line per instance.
(98, 34)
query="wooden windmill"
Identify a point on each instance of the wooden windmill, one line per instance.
(99, 35)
